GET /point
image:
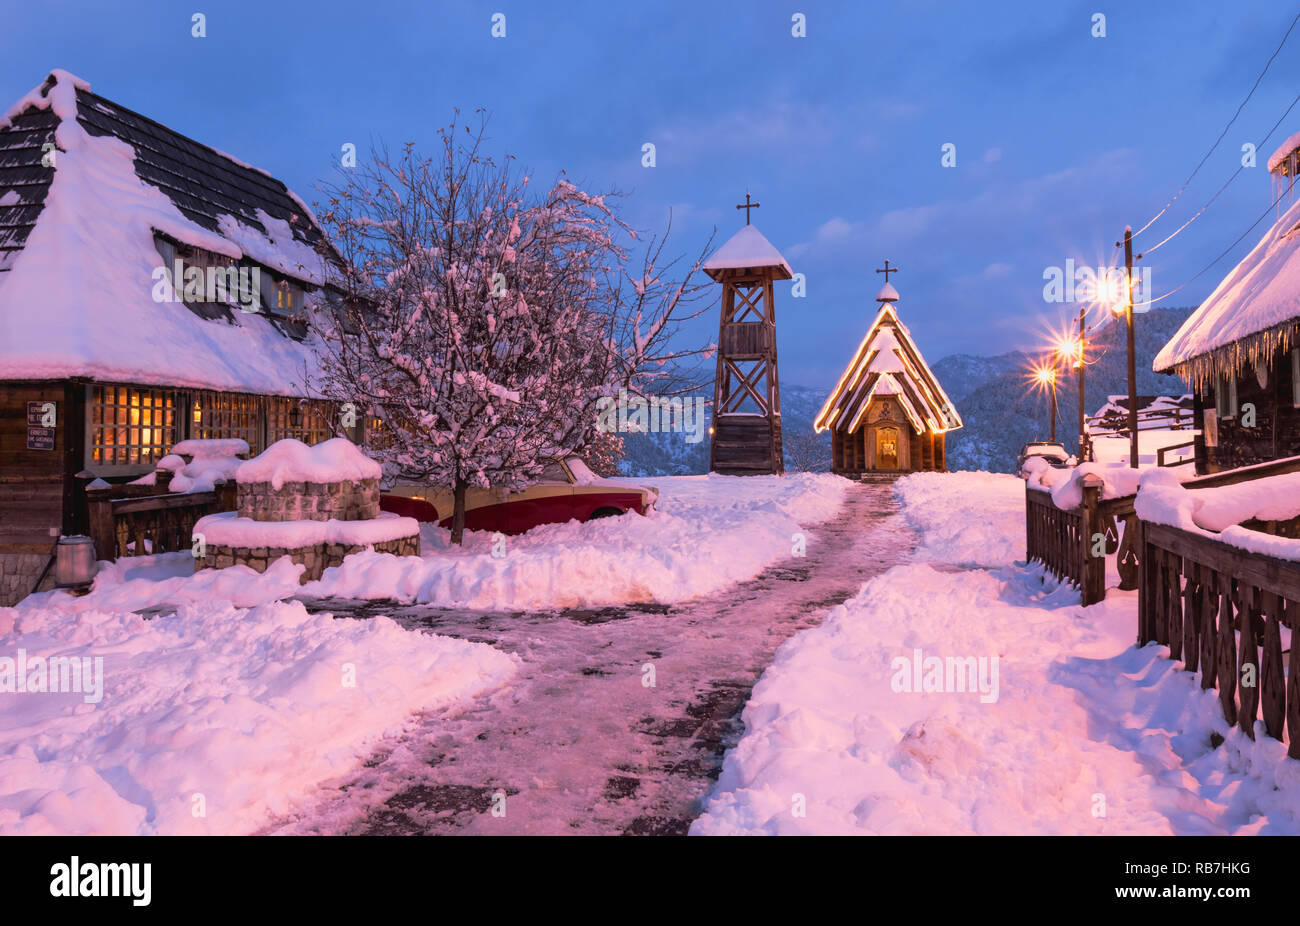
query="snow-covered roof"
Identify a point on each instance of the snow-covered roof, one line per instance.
(887, 293)
(887, 362)
(1283, 152)
(1254, 310)
(747, 249)
(79, 263)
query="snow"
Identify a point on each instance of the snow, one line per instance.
(705, 533)
(1218, 512)
(1066, 484)
(214, 719)
(1259, 293)
(276, 247)
(209, 448)
(1109, 449)
(89, 264)
(1076, 731)
(887, 293)
(228, 529)
(747, 248)
(290, 460)
(1283, 152)
(212, 461)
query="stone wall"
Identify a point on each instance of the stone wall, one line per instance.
(18, 572)
(317, 557)
(310, 501)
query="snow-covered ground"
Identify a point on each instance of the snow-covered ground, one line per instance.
(1071, 731)
(209, 720)
(705, 533)
(236, 707)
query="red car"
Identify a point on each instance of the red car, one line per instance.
(566, 490)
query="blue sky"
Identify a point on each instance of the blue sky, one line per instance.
(1061, 138)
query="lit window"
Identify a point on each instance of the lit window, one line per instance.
(131, 426)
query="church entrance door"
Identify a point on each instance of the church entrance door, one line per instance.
(887, 448)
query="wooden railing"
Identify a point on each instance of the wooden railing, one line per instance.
(1064, 540)
(1068, 540)
(1161, 451)
(136, 525)
(1215, 606)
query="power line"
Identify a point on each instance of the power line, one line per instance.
(1222, 255)
(1263, 142)
(1222, 134)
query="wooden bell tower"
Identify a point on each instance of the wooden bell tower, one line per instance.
(747, 395)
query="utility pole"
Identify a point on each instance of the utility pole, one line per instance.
(1132, 360)
(1054, 412)
(1082, 361)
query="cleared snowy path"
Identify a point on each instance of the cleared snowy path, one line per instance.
(578, 742)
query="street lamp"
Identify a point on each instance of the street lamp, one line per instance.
(1047, 376)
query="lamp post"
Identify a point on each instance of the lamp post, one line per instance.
(1127, 307)
(1047, 376)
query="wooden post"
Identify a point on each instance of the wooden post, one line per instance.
(1132, 363)
(100, 508)
(1093, 571)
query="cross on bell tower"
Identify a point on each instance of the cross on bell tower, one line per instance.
(886, 270)
(747, 205)
(746, 394)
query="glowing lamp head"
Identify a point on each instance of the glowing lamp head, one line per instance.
(1045, 375)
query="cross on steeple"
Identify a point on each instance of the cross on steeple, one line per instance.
(747, 205)
(887, 270)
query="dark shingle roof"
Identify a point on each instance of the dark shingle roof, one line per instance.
(21, 149)
(202, 182)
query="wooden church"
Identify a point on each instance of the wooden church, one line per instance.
(887, 413)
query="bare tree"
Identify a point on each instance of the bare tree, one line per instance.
(807, 451)
(482, 322)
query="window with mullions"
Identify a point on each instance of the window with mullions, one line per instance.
(216, 415)
(131, 426)
(308, 420)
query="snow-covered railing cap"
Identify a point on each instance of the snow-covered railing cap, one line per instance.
(747, 249)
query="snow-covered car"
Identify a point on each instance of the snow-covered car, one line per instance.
(566, 490)
(1054, 454)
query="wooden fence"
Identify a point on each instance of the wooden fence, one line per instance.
(1215, 606)
(1065, 540)
(130, 524)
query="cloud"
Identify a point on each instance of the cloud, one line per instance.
(992, 156)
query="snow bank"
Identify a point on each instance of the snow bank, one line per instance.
(228, 529)
(706, 532)
(334, 460)
(212, 720)
(1076, 732)
(977, 521)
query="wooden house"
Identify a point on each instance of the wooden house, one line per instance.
(887, 413)
(151, 290)
(1240, 350)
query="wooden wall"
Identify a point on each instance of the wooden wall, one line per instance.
(35, 483)
(1276, 432)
